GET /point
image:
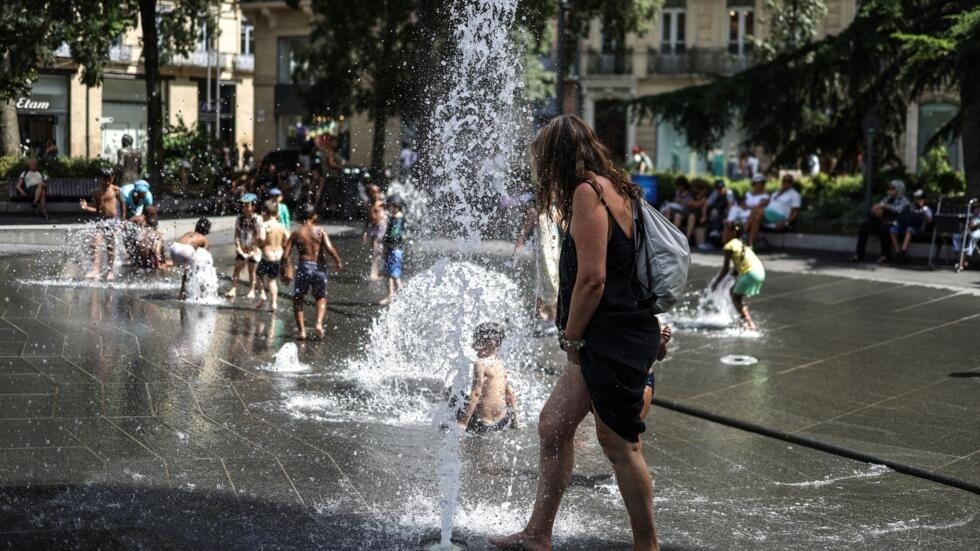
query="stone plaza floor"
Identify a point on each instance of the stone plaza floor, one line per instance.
(130, 420)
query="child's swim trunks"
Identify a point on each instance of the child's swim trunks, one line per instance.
(310, 276)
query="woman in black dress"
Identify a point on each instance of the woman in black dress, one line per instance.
(611, 339)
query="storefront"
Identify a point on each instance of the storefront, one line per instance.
(124, 112)
(43, 115)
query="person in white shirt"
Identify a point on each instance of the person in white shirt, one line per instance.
(753, 198)
(779, 212)
(33, 185)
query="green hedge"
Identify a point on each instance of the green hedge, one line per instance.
(58, 167)
(836, 203)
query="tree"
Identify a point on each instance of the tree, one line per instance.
(378, 55)
(813, 96)
(30, 32)
(170, 31)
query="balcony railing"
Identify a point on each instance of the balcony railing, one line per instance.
(245, 63)
(121, 53)
(618, 62)
(713, 61)
(204, 59)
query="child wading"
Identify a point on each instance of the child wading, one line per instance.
(184, 251)
(748, 271)
(312, 246)
(394, 247)
(248, 234)
(491, 404)
(270, 267)
(106, 204)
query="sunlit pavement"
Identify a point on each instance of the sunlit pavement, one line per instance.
(128, 419)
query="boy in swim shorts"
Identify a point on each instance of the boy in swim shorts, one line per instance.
(106, 204)
(492, 403)
(312, 246)
(184, 250)
(270, 267)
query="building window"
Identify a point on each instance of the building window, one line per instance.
(933, 117)
(247, 46)
(672, 30)
(203, 38)
(741, 27)
(287, 62)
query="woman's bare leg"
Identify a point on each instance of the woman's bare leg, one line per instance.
(566, 407)
(635, 484)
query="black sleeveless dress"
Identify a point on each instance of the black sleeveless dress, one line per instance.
(622, 338)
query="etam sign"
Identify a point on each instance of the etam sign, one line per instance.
(29, 104)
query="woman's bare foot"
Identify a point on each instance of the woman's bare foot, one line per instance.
(300, 335)
(318, 331)
(384, 302)
(110, 276)
(94, 274)
(520, 542)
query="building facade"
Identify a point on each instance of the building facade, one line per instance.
(90, 121)
(282, 118)
(690, 40)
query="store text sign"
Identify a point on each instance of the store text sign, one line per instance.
(32, 104)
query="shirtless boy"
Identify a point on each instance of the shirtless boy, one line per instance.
(312, 246)
(374, 228)
(106, 204)
(183, 251)
(492, 403)
(270, 267)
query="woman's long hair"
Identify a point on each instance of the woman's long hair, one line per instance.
(566, 153)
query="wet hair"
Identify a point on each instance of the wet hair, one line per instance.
(489, 333)
(203, 226)
(566, 153)
(737, 227)
(127, 140)
(306, 212)
(271, 207)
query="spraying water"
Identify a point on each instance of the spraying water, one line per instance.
(479, 139)
(202, 279)
(287, 360)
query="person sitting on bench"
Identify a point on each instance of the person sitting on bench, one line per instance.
(779, 212)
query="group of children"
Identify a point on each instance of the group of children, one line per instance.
(263, 247)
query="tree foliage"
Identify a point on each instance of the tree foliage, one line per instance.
(385, 56)
(792, 25)
(813, 97)
(30, 32)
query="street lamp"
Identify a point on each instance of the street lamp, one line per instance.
(871, 125)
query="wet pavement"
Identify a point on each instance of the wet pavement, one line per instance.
(130, 420)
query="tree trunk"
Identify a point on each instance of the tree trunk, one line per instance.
(10, 137)
(378, 141)
(9, 128)
(154, 97)
(970, 130)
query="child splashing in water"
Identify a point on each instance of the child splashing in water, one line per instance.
(491, 404)
(748, 270)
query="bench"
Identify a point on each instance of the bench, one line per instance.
(59, 189)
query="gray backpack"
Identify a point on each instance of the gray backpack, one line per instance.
(663, 257)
